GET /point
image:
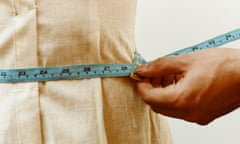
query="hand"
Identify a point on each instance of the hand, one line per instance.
(197, 87)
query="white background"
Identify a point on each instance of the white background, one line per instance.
(163, 26)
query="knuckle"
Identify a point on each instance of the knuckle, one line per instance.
(187, 106)
(197, 118)
(156, 63)
(147, 98)
(186, 101)
(155, 109)
(203, 123)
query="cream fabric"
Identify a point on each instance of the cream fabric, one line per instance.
(90, 111)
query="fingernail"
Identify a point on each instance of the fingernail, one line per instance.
(141, 68)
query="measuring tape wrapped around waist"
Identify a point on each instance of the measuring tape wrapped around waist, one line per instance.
(39, 74)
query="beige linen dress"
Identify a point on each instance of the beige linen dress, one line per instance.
(90, 111)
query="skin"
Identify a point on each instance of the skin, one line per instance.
(197, 87)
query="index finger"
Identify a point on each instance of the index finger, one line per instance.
(164, 96)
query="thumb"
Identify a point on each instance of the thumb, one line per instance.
(161, 66)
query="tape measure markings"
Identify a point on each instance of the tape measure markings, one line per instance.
(214, 42)
(65, 72)
(101, 70)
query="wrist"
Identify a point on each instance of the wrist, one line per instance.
(233, 64)
(232, 70)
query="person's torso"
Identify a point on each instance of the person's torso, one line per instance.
(47, 33)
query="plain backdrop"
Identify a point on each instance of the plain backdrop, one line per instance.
(163, 26)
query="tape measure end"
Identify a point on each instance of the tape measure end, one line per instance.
(136, 77)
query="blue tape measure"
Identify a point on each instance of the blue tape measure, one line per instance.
(39, 74)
